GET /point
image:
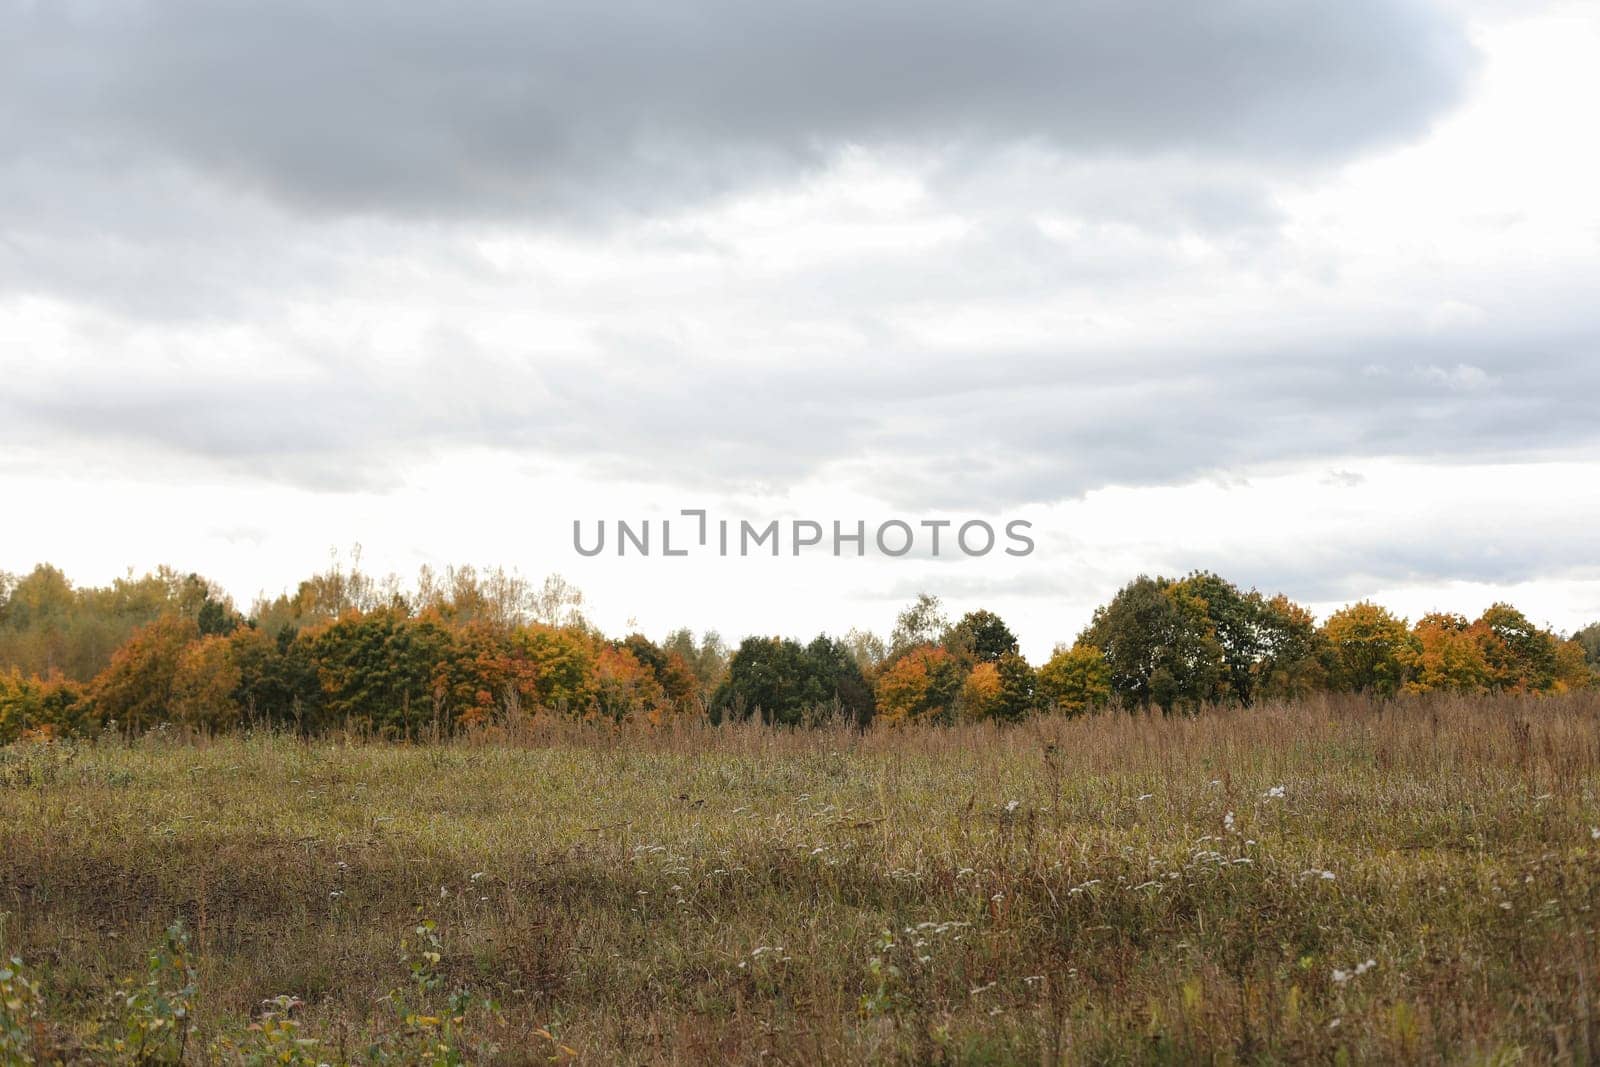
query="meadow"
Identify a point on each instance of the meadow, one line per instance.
(1337, 880)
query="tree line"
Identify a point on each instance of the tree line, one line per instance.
(464, 649)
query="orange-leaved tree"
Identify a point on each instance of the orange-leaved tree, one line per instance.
(1445, 654)
(31, 706)
(136, 689)
(920, 685)
(206, 685)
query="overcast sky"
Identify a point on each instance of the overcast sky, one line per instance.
(1305, 293)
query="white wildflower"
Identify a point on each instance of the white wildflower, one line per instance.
(1341, 977)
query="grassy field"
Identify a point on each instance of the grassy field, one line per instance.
(1330, 882)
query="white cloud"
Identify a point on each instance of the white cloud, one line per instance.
(1352, 362)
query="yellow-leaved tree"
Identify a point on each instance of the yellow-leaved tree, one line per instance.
(1074, 680)
(1445, 654)
(980, 693)
(1366, 648)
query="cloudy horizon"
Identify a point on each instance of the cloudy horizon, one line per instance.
(1303, 294)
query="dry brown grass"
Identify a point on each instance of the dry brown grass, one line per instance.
(1061, 891)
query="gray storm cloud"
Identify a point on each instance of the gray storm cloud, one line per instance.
(583, 108)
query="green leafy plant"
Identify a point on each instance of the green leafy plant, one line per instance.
(274, 1038)
(21, 1014)
(430, 1031)
(887, 992)
(152, 1020)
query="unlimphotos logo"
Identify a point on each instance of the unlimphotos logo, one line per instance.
(703, 535)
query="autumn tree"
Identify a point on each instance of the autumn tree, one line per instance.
(922, 623)
(1159, 644)
(386, 671)
(1444, 654)
(47, 625)
(1017, 684)
(1588, 639)
(493, 597)
(980, 693)
(867, 649)
(1000, 688)
(552, 667)
(920, 685)
(206, 685)
(1074, 680)
(1269, 647)
(707, 657)
(330, 595)
(1291, 659)
(37, 621)
(474, 674)
(136, 689)
(983, 636)
(671, 671)
(558, 603)
(32, 706)
(1236, 621)
(1522, 657)
(624, 687)
(1366, 649)
(1572, 668)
